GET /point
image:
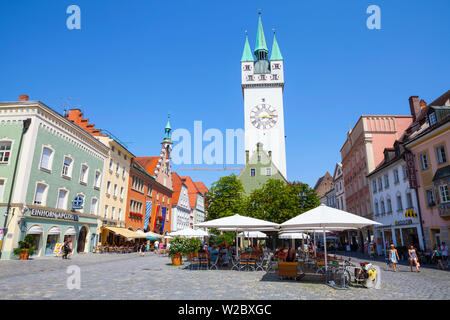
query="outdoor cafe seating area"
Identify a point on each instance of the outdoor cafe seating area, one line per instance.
(308, 260)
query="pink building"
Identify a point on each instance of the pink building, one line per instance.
(361, 153)
(428, 138)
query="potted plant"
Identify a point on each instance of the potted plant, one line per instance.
(192, 246)
(177, 249)
(26, 248)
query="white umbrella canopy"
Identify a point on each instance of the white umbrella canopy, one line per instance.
(239, 223)
(252, 234)
(150, 234)
(326, 217)
(189, 233)
(293, 235)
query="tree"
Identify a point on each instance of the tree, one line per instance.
(226, 197)
(278, 202)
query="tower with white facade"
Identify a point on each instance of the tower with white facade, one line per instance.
(262, 88)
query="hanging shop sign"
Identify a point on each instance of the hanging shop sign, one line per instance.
(411, 170)
(53, 215)
(77, 203)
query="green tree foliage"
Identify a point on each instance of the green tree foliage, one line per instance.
(226, 197)
(278, 202)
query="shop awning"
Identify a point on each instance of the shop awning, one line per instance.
(70, 232)
(126, 233)
(54, 230)
(35, 230)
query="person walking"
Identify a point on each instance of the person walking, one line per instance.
(156, 246)
(69, 255)
(65, 249)
(413, 258)
(438, 255)
(393, 256)
(444, 252)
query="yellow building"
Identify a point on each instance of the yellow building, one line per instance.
(115, 178)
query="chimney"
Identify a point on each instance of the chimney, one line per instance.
(23, 97)
(246, 156)
(423, 104)
(414, 105)
(270, 155)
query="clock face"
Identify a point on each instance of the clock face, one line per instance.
(263, 116)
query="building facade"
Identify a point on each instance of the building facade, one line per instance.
(428, 139)
(116, 173)
(181, 211)
(258, 169)
(339, 188)
(262, 81)
(196, 202)
(361, 152)
(395, 203)
(57, 187)
(323, 186)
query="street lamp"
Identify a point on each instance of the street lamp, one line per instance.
(26, 125)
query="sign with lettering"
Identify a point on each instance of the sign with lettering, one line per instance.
(403, 222)
(58, 248)
(53, 215)
(409, 157)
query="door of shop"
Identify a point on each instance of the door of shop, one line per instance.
(81, 240)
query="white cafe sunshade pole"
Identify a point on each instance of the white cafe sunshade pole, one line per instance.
(325, 248)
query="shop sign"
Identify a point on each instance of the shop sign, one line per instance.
(403, 222)
(409, 213)
(58, 248)
(53, 215)
(77, 203)
(411, 170)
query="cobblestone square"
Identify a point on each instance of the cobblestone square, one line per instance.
(130, 276)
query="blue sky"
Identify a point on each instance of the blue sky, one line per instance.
(132, 62)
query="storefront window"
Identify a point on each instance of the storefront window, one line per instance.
(52, 240)
(398, 238)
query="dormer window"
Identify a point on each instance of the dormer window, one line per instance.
(432, 118)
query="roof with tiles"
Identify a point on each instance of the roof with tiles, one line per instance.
(192, 190)
(176, 184)
(149, 163)
(201, 187)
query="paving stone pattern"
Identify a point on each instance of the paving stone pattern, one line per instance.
(130, 276)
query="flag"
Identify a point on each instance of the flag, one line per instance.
(164, 209)
(148, 213)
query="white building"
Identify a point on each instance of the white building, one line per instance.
(181, 211)
(262, 89)
(395, 204)
(339, 189)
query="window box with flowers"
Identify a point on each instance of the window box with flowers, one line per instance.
(136, 214)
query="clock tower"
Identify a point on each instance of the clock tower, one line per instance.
(262, 89)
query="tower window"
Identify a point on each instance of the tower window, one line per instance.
(274, 77)
(252, 172)
(247, 67)
(250, 78)
(276, 66)
(262, 77)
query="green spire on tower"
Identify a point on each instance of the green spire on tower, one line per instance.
(260, 39)
(276, 53)
(247, 54)
(168, 130)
